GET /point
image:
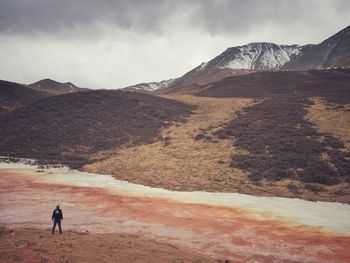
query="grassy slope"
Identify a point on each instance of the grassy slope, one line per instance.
(279, 142)
(273, 146)
(179, 160)
(67, 128)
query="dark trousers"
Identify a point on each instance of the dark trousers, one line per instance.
(57, 222)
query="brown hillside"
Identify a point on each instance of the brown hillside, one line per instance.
(54, 87)
(64, 129)
(331, 84)
(196, 79)
(194, 156)
(278, 140)
(187, 157)
(14, 95)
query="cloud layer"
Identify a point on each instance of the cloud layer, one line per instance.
(112, 44)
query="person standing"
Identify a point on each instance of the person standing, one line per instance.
(57, 216)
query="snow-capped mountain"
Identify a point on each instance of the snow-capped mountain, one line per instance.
(333, 52)
(254, 56)
(149, 87)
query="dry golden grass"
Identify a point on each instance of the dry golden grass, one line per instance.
(200, 165)
(184, 164)
(332, 119)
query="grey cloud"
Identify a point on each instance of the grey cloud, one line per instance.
(236, 16)
(212, 16)
(25, 16)
(111, 43)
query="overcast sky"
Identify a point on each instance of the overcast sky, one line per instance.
(113, 44)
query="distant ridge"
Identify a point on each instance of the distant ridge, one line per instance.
(333, 52)
(149, 87)
(259, 56)
(55, 87)
(14, 95)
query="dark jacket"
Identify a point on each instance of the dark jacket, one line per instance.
(57, 215)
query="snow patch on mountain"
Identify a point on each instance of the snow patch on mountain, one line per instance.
(254, 56)
(201, 66)
(150, 87)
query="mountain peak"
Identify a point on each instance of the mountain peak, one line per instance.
(332, 52)
(47, 80)
(53, 86)
(255, 56)
(339, 35)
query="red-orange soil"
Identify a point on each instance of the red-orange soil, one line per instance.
(205, 230)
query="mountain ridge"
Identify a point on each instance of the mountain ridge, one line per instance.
(259, 56)
(55, 87)
(332, 52)
(14, 95)
(254, 56)
(150, 86)
(271, 56)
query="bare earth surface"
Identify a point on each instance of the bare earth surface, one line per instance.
(37, 245)
(180, 162)
(134, 223)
